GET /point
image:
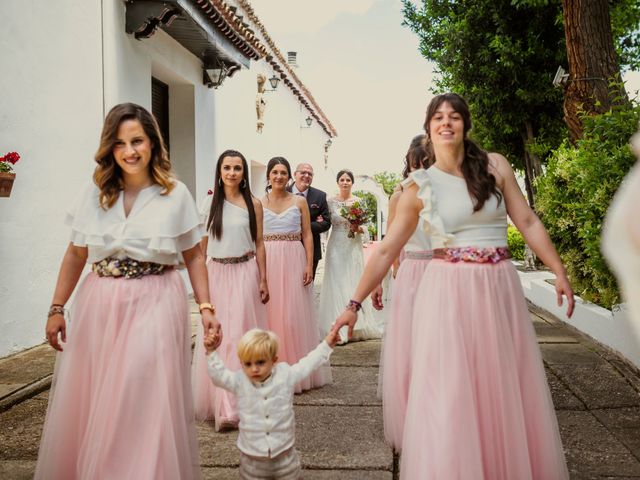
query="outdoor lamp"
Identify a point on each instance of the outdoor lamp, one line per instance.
(274, 81)
(309, 121)
(213, 77)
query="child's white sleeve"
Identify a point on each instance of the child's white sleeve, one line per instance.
(311, 361)
(221, 375)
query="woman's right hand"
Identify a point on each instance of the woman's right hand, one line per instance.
(347, 318)
(56, 325)
(264, 291)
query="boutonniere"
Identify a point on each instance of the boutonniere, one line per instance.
(315, 205)
(209, 192)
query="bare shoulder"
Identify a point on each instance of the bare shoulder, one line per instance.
(409, 197)
(300, 202)
(257, 204)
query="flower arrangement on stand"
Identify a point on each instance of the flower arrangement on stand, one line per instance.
(356, 215)
(7, 175)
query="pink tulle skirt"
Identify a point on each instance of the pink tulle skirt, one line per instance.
(235, 291)
(120, 404)
(395, 365)
(290, 311)
(479, 405)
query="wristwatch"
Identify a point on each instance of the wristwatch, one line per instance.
(207, 306)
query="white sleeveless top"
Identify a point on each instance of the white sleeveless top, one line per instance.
(236, 233)
(287, 221)
(158, 229)
(448, 212)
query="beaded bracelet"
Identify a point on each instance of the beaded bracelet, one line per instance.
(55, 309)
(354, 306)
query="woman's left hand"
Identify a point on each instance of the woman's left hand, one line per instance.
(307, 276)
(264, 292)
(563, 288)
(211, 325)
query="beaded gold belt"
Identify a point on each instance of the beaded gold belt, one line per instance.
(232, 260)
(127, 268)
(272, 237)
(419, 255)
(472, 254)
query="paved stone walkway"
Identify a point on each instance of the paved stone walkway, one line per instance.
(339, 427)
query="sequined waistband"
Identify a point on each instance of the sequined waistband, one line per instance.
(127, 268)
(270, 237)
(472, 254)
(419, 255)
(231, 260)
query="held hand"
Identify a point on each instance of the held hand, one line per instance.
(211, 342)
(210, 323)
(376, 298)
(307, 277)
(264, 292)
(332, 338)
(563, 288)
(319, 219)
(56, 325)
(347, 318)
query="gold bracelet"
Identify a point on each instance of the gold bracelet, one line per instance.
(55, 310)
(206, 306)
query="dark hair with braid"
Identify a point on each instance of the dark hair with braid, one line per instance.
(481, 184)
(214, 225)
(416, 156)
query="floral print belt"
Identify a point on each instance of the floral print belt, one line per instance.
(127, 268)
(419, 255)
(271, 237)
(472, 254)
(232, 260)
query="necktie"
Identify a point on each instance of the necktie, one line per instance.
(300, 193)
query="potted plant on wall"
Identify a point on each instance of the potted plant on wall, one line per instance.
(7, 175)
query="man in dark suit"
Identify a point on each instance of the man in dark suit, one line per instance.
(318, 208)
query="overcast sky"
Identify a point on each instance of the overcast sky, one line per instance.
(365, 71)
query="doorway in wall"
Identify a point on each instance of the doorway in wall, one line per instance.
(160, 108)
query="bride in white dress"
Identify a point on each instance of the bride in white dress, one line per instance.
(343, 266)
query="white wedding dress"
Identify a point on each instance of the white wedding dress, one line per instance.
(343, 266)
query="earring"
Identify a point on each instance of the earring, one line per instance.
(244, 183)
(220, 182)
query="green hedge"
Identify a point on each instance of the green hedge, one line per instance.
(515, 242)
(575, 192)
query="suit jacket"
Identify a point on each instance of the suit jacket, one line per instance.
(317, 201)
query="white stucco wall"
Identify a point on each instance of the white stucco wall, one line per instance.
(51, 114)
(60, 89)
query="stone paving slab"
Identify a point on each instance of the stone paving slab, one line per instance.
(357, 354)
(597, 385)
(591, 450)
(232, 474)
(21, 429)
(552, 334)
(17, 469)
(563, 398)
(351, 386)
(624, 423)
(28, 366)
(342, 437)
(569, 354)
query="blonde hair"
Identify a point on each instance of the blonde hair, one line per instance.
(257, 343)
(108, 175)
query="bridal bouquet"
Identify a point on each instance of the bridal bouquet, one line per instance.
(355, 214)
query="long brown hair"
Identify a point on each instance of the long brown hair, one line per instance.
(108, 175)
(214, 225)
(481, 184)
(416, 156)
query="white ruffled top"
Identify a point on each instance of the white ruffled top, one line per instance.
(236, 233)
(158, 228)
(448, 213)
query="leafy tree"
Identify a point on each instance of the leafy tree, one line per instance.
(501, 58)
(387, 180)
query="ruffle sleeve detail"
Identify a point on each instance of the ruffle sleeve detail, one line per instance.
(204, 207)
(433, 225)
(83, 218)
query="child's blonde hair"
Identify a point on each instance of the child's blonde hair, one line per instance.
(257, 343)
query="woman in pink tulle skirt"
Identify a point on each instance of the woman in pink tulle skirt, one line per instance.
(395, 358)
(237, 279)
(479, 406)
(120, 404)
(290, 311)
